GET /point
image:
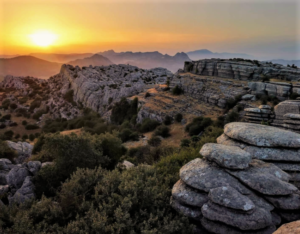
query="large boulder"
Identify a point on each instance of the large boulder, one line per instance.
(16, 176)
(24, 150)
(26, 192)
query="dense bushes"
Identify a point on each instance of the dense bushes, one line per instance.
(127, 134)
(148, 125)
(178, 117)
(123, 110)
(72, 151)
(154, 141)
(31, 127)
(167, 120)
(198, 125)
(268, 98)
(6, 152)
(163, 131)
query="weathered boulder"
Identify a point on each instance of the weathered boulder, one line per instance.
(262, 135)
(23, 149)
(16, 176)
(231, 157)
(194, 213)
(26, 192)
(34, 166)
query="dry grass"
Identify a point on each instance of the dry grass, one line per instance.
(68, 132)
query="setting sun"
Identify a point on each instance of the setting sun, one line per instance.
(43, 38)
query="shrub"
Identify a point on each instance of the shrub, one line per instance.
(148, 125)
(5, 104)
(23, 100)
(38, 114)
(31, 137)
(231, 102)
(123, 110)
(8, 135)
(178, 117)
(69, 96)
(294, 96)
(185, 143)
(6, 151)
(127, 134)
(177, 90)
(147, 95)
(163, 131)
(198, 125)
(6, 117)
(154, 141)
(39, 144)
(232, 116)
(24, 137)
(167, 120)
(31, 127)
(13, 106)
(24, 122)
(35, 104)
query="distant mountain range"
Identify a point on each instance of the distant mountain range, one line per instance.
(61, 58)
(148, 60)
(43, 65)
(95, 60)
(28, 66)
(207, 54)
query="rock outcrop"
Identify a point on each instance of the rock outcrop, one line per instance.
(16, 180)
(24, 150)
(241, 69)
(266, 143)
(238, 192)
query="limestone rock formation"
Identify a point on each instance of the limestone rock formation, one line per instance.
(23, 149)
(241, 69)
(253, 198)
(257, 140)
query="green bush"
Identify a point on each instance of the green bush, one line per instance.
(5, 104)
(6, 151)
(6, 117)
(294, 96)
(127, 135)
(154, 141)
(38, 114)
(178, 117)
(232, 116)
(31, 127)
(31, 137)
(13, 106)
(185, 143)
(148, 125)
(198, 125)
(17, 136)
(163, 131)
(24, 137)
(38, 145)
(24, 122)
(177, 90)
(35, 104)
(123, 110)
(8, 135)
(167, 120)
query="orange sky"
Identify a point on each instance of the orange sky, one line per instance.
(254, 27)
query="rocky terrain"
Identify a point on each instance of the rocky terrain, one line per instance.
(241, 69)
(230, 190)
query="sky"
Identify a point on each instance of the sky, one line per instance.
(268, 29)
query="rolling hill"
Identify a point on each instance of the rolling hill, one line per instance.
(95, 60)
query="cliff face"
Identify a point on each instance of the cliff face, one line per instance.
(241, 70)
(99, 87)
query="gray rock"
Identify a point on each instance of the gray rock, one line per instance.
(187, 195)
(292, 116)
(266, 107)
(3, 180)
(256, 220)
(262, 135)
(221, 228)
(231, 157)
(225, 140)
(228, 197)
(276, 219)
(290, 202)
(16, 176)
(203, 175)
(289, 216)
(24, 149)
(295, 176)
(265, 179)
(26, 192)
(34, 166)
(5, 164)
(248, 97)
(194, 213)
(287, 166)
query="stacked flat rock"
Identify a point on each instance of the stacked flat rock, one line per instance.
(229, 192)
(287, 115)
(257, 115)
(266, 143)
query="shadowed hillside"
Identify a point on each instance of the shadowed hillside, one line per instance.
(95, 60)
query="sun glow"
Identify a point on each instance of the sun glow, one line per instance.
(43, 38)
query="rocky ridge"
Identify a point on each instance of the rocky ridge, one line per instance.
(241, 69)
(237, 192)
